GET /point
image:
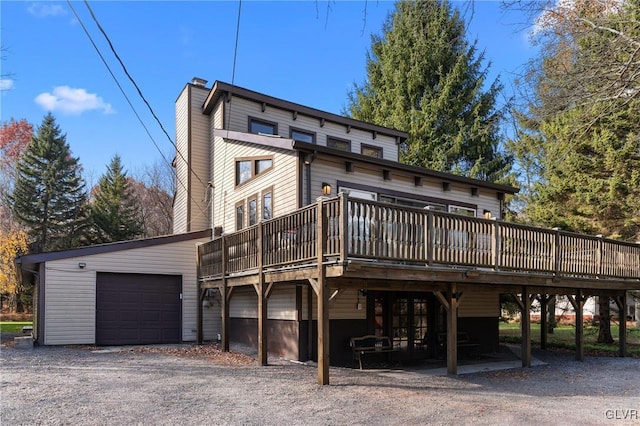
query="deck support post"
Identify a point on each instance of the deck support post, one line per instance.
(544, 300)
(525, 324)
(621, 301)
(452, 331)
(224, 299)
(450, 303)
(262, 305)
(199, 333)
(524, 303)
(578, 304)
(323, 299)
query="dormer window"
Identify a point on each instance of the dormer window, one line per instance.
(371, 151)
(302, 135)
(340, 144)
(258, 126)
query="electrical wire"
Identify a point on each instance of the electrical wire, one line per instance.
(233, 78)
(84, 28)
(126, 71)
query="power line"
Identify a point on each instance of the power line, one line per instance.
(124, 68)
(127, 98)
(233, 78)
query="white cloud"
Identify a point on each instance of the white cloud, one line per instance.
(43, 10)
(68, 100)
(6, 84)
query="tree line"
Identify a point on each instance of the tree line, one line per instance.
(46, 205)
(573, 149)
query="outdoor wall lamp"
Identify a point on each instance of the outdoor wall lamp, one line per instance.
(82, 265)
(326, 188)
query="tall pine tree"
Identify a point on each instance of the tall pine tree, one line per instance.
(115, 210)
(424, 78)
(49, 195)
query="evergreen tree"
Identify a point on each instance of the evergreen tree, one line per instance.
(49, 196)
(580, 133)
(424, 78)
(115, 210)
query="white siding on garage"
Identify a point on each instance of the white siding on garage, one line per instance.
(479, 304)
(70, 292)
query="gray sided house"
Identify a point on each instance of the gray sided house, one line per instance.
(130, 292)
(322, 235)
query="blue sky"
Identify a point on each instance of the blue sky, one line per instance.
(306, 52)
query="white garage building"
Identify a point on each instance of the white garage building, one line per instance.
(132, 292)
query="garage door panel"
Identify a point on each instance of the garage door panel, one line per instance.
(138, 309)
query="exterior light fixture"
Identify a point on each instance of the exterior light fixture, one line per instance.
(326, 188)
(82, 265)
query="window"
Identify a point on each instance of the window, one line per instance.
(371, 151)
(239, 215)
(462, 210)
(341, 144)
(302, 136)
(249, 168)
(267, 203)
(263, 165)
(253, 211)
(261, 126)
(243, 171)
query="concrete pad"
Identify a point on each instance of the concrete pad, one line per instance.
(23, 342)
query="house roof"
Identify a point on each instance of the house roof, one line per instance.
(31, 259)
(219, 88)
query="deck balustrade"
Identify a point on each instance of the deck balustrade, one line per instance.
(359, 229)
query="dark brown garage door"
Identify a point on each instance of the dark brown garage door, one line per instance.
(138, 309)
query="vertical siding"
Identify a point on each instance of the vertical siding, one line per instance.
(479, 304)
(71, 292)
(199, 161)
(182, 139)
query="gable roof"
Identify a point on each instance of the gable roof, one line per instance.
(111, 247)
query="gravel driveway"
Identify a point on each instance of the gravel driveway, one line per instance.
(65, 385)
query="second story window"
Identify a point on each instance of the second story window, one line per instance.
(253, 211)
(267, 203)
(239, 215)
(302, 136)
(249, 168)
(371, 151)
(262, 126)
(341, 144)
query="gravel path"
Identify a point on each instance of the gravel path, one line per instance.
(64, 385)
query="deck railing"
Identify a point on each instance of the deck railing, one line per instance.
(380, 231)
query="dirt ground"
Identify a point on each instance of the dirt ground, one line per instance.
(199, 385)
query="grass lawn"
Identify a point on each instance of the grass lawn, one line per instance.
(13, 326)
(564, 337)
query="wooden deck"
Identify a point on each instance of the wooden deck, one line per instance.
(371, 240)
(342, 243)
